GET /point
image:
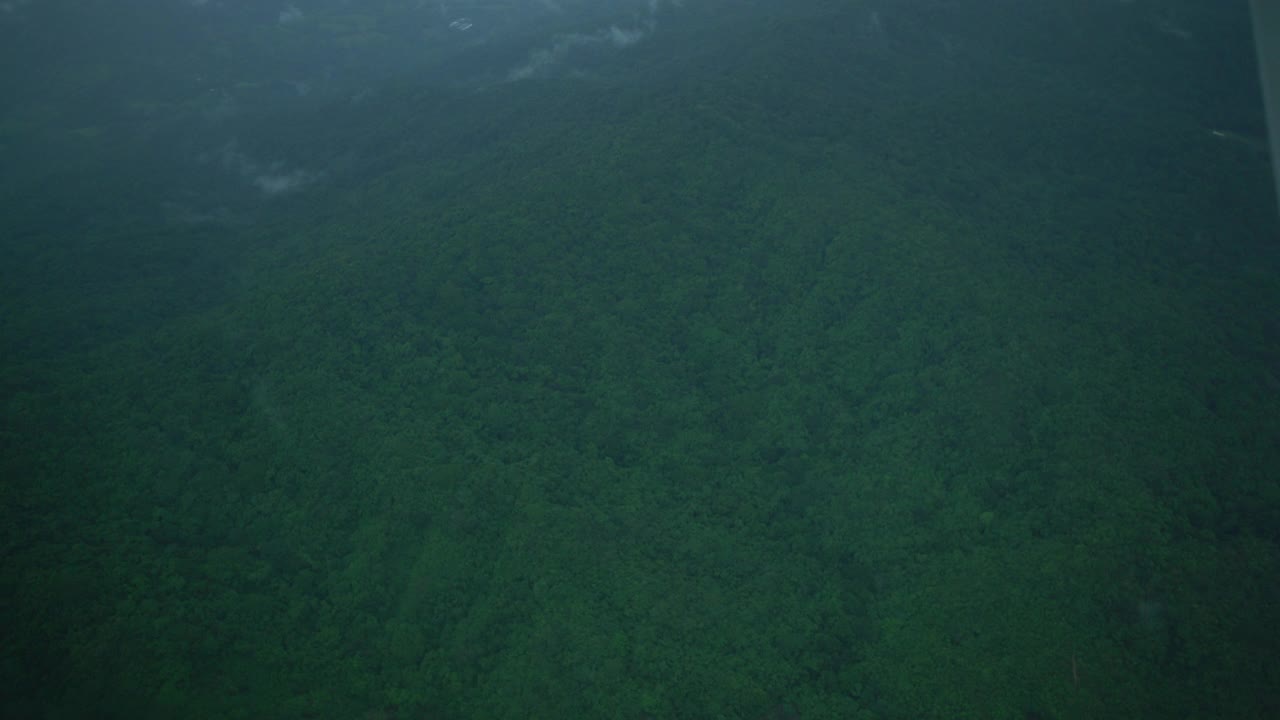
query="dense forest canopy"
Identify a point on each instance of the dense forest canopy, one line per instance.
(636, 359)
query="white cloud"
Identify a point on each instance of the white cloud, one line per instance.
(271, 178)
(538, 60)
(12, 6)
(290, 14)
(544, 59)
(624, 38)
(274, 184)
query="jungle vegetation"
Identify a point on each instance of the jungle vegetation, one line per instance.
(802, 360)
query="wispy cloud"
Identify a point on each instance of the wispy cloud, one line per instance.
(291, 14)
(274, 184)
(272, 178)
(623, 38)
(12, 6)
(543, 60)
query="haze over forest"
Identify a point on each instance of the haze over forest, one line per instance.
(761, 359)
